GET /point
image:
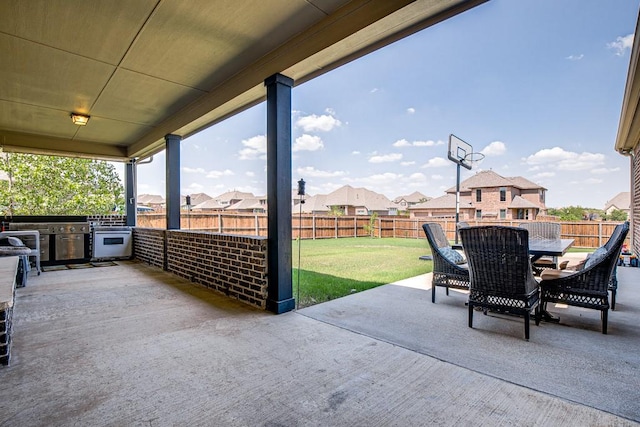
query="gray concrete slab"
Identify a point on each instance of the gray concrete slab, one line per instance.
(131, 345)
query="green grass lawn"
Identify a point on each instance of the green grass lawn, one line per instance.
(332, 268)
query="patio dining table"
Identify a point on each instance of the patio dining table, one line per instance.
(547, 247)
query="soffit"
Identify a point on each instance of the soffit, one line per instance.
(146, 68)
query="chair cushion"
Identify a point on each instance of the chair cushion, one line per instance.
(596, 256)
(10, 241)
(452, 255)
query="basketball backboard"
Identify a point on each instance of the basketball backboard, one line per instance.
(459, 151)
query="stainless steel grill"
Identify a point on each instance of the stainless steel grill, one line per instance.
(59, 241)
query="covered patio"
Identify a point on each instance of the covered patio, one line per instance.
(134, 345)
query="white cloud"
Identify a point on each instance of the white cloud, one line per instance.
(496, 148)
(437, 177)
(417, 176)
(561, 159)
(575, 57)
(393, 157)
(250, 174)
(407, 163)
(256, 147)
(218, 174)
(187, 169)
(545, 175)
(621, 44)
(404, 143)
(374, 90)
(308, 143)
(313, 172)
(355, 153)
(428, 143)
(592, 181)
(437, 162)
(194, 187)
(411, 110)
(314, 123)
(382, 178)
(602, 171)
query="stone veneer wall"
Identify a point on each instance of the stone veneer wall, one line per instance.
(230, 264)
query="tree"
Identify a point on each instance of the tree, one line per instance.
(617, 215)
(49, 185)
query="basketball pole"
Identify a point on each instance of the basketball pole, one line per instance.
(457, 201)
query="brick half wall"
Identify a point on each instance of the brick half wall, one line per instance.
(233, 265)
(148, 246)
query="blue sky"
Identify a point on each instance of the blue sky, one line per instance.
(535, 85)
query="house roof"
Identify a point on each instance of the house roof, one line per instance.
(522, 203)
(253, 203)
(234, 195)
(489, 178)
(210, 204)
(621, 201)
(414, 197)
(349, 196)
(196, 198)
(150, 199)
(448, 201)
(317, 203)
(146, 69)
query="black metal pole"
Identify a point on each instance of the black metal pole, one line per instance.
(457, 200)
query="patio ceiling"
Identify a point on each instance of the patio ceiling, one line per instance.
(629, 128)
(147, 68)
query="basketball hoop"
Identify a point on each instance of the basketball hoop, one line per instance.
(473, 157)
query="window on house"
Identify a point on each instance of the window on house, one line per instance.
(520, 214)
(541, 196)
(479, 213)
(503, 214)
(478, 195)
(503, 194)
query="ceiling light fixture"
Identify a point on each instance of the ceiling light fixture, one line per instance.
(79, 119)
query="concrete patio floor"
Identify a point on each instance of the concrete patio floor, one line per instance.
(133, 345)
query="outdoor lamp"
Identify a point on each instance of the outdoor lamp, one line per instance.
(79, 119)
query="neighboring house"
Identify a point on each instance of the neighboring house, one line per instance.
(222, 202)
(443, 207)
(209, 206)
(622, 202)
(153, 201)
(490, 196)
(196, 199)
(358, 201)
(350, 201)
(412, 199)
(250, 205)
(316, 205)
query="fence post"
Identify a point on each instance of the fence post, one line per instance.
(255, 221)
(379, 227)
(336, 227)
(313, 227)
(355, 227)
(599, 234)
(220, 223)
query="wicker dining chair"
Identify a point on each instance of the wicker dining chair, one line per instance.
(500, 272)
(613, 282)
(543, 231)
(447, 272)
(588, 287)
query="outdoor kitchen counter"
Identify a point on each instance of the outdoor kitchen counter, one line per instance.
(8, 273)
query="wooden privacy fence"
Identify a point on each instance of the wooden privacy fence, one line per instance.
(587, 234)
